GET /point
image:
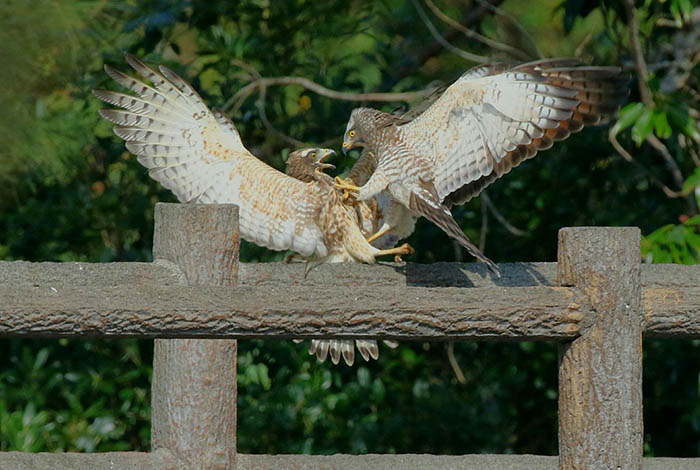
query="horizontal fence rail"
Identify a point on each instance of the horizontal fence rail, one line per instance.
(162, 460)
(275, 300)
(196, 299)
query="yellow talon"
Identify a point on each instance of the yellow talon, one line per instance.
(347, 188)
(404, 249)
(408, 249)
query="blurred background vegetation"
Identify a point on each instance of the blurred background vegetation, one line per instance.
(70, 191)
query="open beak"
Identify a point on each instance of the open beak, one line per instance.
(325, 153)
(346, 147)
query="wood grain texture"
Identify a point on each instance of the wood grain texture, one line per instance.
(59, 275)
(436, 462)
(161, 460)
(194, 380)
(272, 300)
(671, 312)
(600, 372)
(396, 462)
(418, 313)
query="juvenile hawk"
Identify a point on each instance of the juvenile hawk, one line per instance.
(198, 154)
(487, 122)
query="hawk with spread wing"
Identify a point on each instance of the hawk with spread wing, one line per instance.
(486, 123)
(197, 153)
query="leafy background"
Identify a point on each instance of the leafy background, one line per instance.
(72, 192)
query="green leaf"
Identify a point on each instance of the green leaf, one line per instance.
(680, 119)
(695, 220)
(628, 116)
(643, 126)
(692, 182)
(662, 128)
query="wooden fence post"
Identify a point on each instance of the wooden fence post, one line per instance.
(600, 372)
(194, 380)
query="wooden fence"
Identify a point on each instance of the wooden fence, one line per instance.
(597, 301)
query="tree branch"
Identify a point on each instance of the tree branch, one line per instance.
(640, 63)
(268, 125)
(412, 63)
(516, 25)
(666, 155)
(499, 46)
(510, 227)
(265, 82)
(629, 158)
(675, 170)
(454, 364)
(480, 59)
(694, 156)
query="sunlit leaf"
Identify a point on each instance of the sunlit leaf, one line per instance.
(643, 126)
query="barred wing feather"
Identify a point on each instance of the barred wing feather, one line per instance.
(493, 118)
(198, 155)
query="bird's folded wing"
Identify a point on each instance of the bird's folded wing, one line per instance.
(491, 119)
(199, 156)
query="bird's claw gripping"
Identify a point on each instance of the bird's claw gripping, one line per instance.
(404, 249)
(347, 188)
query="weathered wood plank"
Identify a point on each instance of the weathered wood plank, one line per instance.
(161, 460)
(394, 462)
(425, 461)
(671, 312)
(600, 372)
(289, 312)
(353, 275)
(193, 412)
(130, 299)
(151, 310)
(96, 275)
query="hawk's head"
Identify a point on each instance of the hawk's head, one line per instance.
(308, 164)
(353, 136)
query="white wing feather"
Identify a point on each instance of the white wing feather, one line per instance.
(199, 156)
(479, 120)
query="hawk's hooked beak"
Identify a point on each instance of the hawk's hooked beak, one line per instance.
(347, 146)
(325, 153)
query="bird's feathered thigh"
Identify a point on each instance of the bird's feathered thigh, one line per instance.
(342, 231)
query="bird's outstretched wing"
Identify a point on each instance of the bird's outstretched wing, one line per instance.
(198, 154)
(493, 118)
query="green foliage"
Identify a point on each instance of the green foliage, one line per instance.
(407, 402)
(75, 395)
(72, 192)
(674, 243)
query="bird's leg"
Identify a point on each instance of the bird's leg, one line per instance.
(345, 186)
(311, 265)
(385, 228)
(404, 249)
(293, 258)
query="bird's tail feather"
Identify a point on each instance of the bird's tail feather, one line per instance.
(337, 348)
(441, 216)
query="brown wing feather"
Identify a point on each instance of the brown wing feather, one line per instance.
(564, 96)
(424, 202)
(198, 154)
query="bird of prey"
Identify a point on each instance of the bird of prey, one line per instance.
(387, 221)
(483, 125)
(302, 165)
(197, 153)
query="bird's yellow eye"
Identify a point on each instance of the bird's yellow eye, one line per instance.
(351, 133)
(312, 155)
